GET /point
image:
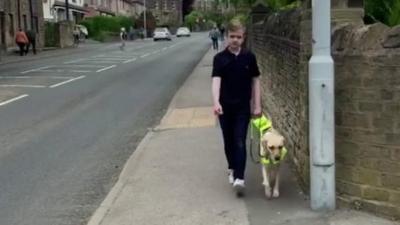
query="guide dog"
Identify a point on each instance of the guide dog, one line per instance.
(272, 153)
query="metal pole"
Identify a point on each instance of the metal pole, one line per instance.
(322, 121)
(19, 13)
(31, 12)
(67, 9)
(144, 19)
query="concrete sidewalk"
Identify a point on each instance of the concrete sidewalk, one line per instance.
(177, 175)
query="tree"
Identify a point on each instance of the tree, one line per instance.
(385, 11)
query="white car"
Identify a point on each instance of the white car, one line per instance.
(183, 32)
(162, 34)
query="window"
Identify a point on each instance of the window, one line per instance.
(11, 27)
(2, 28)
(355, 3)
(25, 22)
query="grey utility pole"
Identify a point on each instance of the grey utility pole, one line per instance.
(322, 119)
(144, 19)
(67, 9)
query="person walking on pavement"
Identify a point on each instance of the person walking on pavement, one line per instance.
(21, 40)
(31, 34)
(76, 33)
(123, 36)
(214, 34)
(236, 96)
(222, 32)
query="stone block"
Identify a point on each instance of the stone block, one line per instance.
(391, 181)
(376, 194)
(349, 188)
(368, 177)
(370, 106)
(395, 198)
(392, 39)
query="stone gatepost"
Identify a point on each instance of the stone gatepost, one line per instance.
(348, 11)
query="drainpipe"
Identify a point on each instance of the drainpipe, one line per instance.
(31, 12)
(19, 13)
(67, 9)
(321, 111)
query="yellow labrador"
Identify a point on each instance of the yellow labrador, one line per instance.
(272, 153)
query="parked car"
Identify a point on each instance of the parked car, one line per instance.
(83, 30)
(162, 33)
(183, 32)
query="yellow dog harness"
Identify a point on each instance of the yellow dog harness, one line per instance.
(263, 124)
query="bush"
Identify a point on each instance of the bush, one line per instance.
(51, 34)
(385, 11)
(99, 26)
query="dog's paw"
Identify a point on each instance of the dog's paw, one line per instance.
(267, 192)
(275, 194)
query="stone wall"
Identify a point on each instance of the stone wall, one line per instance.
(367, 77)
(368, 118)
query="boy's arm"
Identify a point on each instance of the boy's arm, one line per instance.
(216, 86)
(256, 98)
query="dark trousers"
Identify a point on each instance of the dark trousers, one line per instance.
(33, 43)
(234, 130)
(21, 48)
(215, 43)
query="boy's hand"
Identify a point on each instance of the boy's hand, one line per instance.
(257, 112)
(218, 109)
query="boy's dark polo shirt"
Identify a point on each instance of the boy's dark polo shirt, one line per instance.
(237, 73)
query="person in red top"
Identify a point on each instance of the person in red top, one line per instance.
(22, 40)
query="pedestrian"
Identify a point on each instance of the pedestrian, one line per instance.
(236, 97)
(21, 40)
(76, 33)
(222, 32)
(123, 36)
(214, 34)
(31, 34)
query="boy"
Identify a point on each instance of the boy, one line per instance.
(236, 96)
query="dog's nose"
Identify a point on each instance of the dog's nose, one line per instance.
(277, 158)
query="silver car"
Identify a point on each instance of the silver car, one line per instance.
(162, 34)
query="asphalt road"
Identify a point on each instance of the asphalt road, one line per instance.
(69, 123)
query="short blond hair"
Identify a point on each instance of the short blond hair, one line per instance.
(235, 25)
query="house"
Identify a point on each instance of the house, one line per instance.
(24, 14)
(55, 10)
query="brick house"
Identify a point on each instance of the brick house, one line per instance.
(55, 10)
(24, 14)
(113, 7)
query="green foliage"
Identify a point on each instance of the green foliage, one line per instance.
(50, 33)
(99, 26)
(385, 11)
(282, 4)
(192, 18)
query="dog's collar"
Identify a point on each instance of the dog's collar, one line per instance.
(266, 161)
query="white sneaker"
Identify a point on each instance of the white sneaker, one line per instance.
(239, 187)
(230, 177)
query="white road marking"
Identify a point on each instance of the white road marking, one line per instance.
(31, 77)
(22, 86)
(67, 81)
(37, 69)
(62, 71)
(163, 49)
(75, 65)
(74, 61)
(130, 60)
(112, 58)
(13, 100)
(104, 69)
(145, 55)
